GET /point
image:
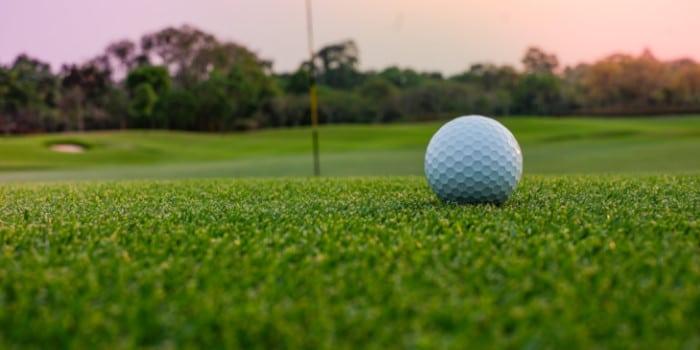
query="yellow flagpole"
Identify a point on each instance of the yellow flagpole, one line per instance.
(313, 94)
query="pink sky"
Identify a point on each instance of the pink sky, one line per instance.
(444, 35)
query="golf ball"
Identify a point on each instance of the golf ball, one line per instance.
(473, 159)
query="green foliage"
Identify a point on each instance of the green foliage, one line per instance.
(438, 99)
(117, 106)
(402, 78)
(288, 110)
(250, 87)
(85, 88)
(40, 84)
(192, 54)
(91, 95)
(575, 262)
(537, 94)
(29, 95)
(378, 90)
(490, 77)
(214, 106)
(336, 65)
(343, 106)
(143, 100)
(298, 82)
(383, 98)
(177, 109)
(145, 85)
(220, 83)
(155, 76)
(92, 81)
(13, 96)
(183, 49)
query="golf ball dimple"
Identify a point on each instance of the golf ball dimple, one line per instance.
(473, 159)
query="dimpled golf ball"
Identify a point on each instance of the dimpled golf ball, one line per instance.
(473, 159)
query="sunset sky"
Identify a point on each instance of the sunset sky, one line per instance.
(443, 35)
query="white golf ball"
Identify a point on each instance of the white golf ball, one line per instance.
(473, 159)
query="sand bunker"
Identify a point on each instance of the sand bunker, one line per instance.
(67, 148)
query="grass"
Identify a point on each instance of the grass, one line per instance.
(575, 261)
(550, 146)
(570, 261)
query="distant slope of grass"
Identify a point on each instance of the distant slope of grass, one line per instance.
(568, 262)
(569, 145)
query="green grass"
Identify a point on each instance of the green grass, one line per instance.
(550, 146)
(568, 262)
(575, 261)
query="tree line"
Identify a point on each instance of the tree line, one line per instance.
(183, 78)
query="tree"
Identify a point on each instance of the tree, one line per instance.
(573, 90)
(229, 98)
(493, 78)
(176, 49)
(538, 90)
(432, 75)
(250, 87)
(38, 75)
(32, 93)
(215, 107)
(143, 100)
(124, 52)
(199, 62)
(123, 56)
(537, 94)
(117, 106)
(642, 79)
(287, 110)
(298, 82)
(337, 65)
(436, 99)
(342, 106)
(600, 83)
(190, 54)
(13, 97)
(156, 77)
(85, 87)
(177, 109)
(684, 83)
(536, 61)
(381, 93)
(402, 78)
(145, 85)
(625, 83)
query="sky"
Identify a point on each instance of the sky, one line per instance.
(426, 35)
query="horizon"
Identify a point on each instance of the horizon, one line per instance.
(446, 36)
